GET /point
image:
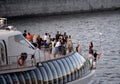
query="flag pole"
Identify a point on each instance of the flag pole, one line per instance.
(101, 49)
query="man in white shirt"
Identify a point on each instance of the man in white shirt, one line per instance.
(45, 36)
(57, 47)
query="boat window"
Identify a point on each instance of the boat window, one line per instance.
(20, 77)
(20, 39)
(66, 66)
(33, 77)
(50, 76)
(53, 69)
(2, 79)
(71, 68)
(77, 63)
(82, 58)
(2, 55)
(72, 61)
(44, 74)
(57, 68)
(14, 78)
(38, 74)
(79, 59)
(70, 64)
(7, 79)
(74, 65)
(32, 74)
(62, 67)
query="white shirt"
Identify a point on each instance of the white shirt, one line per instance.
(58, 44)
(45, 37)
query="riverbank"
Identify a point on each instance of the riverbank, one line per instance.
(52, 7)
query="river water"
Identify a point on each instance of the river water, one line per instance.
(102, 28)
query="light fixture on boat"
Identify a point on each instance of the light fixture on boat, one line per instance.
(11, 28)
(3, 25)
(2, 21)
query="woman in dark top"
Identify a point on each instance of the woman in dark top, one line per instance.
(91, 48)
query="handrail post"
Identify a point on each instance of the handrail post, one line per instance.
(17, 63)
(39, 56)
(9, 61)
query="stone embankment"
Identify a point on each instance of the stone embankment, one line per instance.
(31, 7)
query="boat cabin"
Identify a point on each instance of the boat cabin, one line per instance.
(15, 50)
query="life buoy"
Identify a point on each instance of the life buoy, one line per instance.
(20, 61)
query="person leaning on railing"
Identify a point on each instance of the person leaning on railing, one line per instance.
(78, 48)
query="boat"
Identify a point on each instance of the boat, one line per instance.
(21, 62)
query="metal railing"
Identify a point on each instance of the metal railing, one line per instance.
(47, 54)
(44, 55)
(13, 63)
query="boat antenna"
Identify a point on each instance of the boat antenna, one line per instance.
(100, 37)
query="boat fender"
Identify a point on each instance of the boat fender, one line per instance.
(21, 61)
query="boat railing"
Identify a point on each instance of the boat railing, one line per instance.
(46, 53)
(15, 63)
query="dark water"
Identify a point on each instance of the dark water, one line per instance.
(84, 28)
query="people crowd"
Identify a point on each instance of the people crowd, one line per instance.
(60, 44)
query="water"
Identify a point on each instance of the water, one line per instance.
(84, 28)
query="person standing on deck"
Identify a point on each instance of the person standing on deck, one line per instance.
(35, 40)
(91, 55)
(25, 33)
(46, 37)
(69, 44)
(29, 37)
(65, 37)
(57, 35)
(39, 41)
(78, 48)
(91, 48)
(53, 46)
(57, 47)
